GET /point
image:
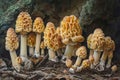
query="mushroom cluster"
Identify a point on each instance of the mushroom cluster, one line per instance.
(64, 39)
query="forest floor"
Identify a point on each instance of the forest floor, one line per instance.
(48, 70)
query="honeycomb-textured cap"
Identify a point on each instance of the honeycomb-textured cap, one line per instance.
(81, 52)
(89, 40)
(109, 44)
(86, 63)
(48, 33)
(68, 63)
(38, 25)
(51, 39)
(70, 27)
(12, 42)
(31, 39)
(97, 40)
(23, 23)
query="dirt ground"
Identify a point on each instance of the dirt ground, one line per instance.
(58, 71)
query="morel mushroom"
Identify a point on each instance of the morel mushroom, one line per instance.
(81, 53)
(109, 47)
(23, 26)
(85, 65)
(97, 44)
(68, 63)
(38, 27)
(11, 45)
(31, 39)
(49, 37)
(71, 34)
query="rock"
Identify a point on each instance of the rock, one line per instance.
(8, 17)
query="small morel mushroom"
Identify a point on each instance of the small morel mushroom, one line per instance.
(97, 44)
(31, 39)
(38, 28)
(11, 45)
(91, 58)
(81, 54)
(42, 46)
(71, 34)
(23, 26)
(109, 47)
(49, 41)
(68, 63)
(85, 65)
(114, 68)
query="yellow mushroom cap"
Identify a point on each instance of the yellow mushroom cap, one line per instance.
(97, 40)
(31, 39)
(12, 42)
(48, 34)
(114, 68)
(81, 52)
(70, 28)
(91, 59)
(86, 63)
(68, 63)
(89, 40)
(109, 44)
(23, 23)
(38, 25)
(19, 60)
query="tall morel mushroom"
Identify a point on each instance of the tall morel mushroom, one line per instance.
(97, 44)
(23, 26)
(38, 28)
(71, 34)
(31, 40)
(11, 45)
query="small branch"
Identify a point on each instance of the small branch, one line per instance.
(43, 61)
(15, 74)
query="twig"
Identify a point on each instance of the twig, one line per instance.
(43, 61)
(15, 74)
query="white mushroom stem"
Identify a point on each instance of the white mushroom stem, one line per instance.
(31, 51)
(42, 52)
(69, 51)
(14, 61)
(23, 46)
(79, 69)
(52, 55)
(90, 55)
(96, 56)
(110, 56)
(37, 45)
(78, 61)
(103, 58)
